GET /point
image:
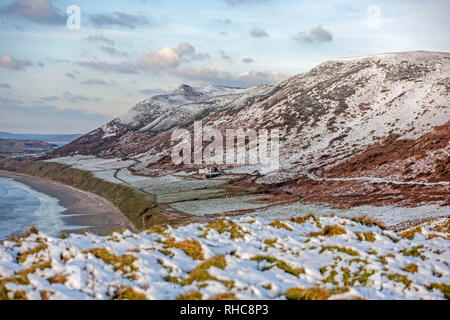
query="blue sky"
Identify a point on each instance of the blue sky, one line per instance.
(59, 80)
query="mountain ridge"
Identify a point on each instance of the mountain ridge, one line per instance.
(326, 115)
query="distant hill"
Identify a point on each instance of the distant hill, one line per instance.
(17, 148)
(51, 138)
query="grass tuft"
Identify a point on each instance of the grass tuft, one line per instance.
(280, 225)
(442, 287)
(225, 225)
(278, 263)
(191, 247)
(123, 263)
(127, 293)
(224, 296)
(191, 296)
(412, 268)
(200, 273)
(369, 222)
(328, 231)
(349, 251)
(314, 293)
(410, 234)
(24, 255)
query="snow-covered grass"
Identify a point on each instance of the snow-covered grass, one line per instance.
(93, 164)
(244, 258)
(391, 216)
(220, 205)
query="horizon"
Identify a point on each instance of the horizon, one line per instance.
(61, 79)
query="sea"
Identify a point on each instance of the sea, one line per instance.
(22, 207)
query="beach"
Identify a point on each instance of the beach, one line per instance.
(90, 212)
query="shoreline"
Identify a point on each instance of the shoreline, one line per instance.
(82, 208)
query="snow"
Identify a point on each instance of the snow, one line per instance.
(391, 216)
(92, 163)
(220, 205)
(89, 277)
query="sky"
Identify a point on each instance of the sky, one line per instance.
(70, 66)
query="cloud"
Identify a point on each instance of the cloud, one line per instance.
(248, 79)
(70, 75)
(72, 98)
(38, 11)
(317, 34)
(201, 56)
(98, 82)
(100, 38)
(152, 92)
(113, 51)
(185, 48)
(224, 22)
(9, 101)
(239, 2)
(106, 67)
(9, 62)
(49, 99)
(224, 56)
(5, 85)
(165, 58)
(247, 60)
(120, 19)
(257, 32)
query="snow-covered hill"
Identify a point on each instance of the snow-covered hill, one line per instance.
(245, 258)
(383, 116)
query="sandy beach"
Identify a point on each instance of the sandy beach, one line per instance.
(82, 208)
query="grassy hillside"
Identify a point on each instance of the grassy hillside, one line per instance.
(137, 207)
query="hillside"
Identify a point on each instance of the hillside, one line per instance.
(50, 138)
(325, 115)
(14, 148)
(306, 258)
(344, 124)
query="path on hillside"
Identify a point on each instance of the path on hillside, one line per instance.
(376, 180)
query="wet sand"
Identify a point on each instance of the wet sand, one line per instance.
(83, 209)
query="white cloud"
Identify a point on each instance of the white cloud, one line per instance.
(165, 58)
(11, 63)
